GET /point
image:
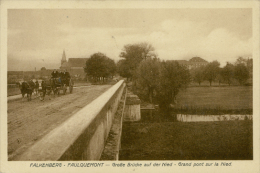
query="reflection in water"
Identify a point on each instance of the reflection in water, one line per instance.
(198, 118)
(154, 116)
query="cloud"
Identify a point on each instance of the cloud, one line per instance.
(184, 39)
(172, 39)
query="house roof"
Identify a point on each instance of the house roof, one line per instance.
(197, 59)
(77, 62)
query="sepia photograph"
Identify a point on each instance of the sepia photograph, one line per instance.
(105, 86)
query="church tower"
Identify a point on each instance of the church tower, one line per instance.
(63, 59)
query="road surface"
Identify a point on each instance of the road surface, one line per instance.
(30, 121)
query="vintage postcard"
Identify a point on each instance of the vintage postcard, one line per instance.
(129, 86)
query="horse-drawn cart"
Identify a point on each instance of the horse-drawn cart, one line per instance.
(64, 86)
(71, 84)
(55, 85)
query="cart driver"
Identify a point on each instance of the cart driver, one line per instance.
(66, 76)
(54, 74)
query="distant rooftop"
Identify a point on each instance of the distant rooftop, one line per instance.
(197, 59)
(77, 62)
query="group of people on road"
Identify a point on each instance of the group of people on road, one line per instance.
(62, 76)
(57, 74)
(29, 86)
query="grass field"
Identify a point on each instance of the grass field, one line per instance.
(226, 140)
(222, 98)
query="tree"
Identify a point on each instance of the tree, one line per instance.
(219, 77)
(248, 63)
(211, 71)
(100, 66)
(250, 67)
(241, 73)
(148, 75)
(123, 69)
(172, 78)
(228, 73)
(111, 67)
(198, 74)
(133, 54)
(241, 60)
(43, 68)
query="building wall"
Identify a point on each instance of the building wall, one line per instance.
(77, 73)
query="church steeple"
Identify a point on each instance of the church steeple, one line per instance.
(63, 59)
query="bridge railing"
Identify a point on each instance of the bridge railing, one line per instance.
(82, 136)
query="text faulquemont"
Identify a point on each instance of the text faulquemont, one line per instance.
(68, 164)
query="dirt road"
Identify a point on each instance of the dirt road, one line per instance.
(30, 121)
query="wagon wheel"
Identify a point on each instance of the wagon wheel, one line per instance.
(41, 95)
(64, 87)
(71, 86)
(57, 91)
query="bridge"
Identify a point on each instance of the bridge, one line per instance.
(86, 135)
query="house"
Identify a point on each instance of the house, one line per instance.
(194, 62)
(75, 66)
(197, 62)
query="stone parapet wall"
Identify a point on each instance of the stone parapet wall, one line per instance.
(81, 137)
(113, 143)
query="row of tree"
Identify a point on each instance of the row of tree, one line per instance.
(240, 71)
(155, 80)
(160, 81)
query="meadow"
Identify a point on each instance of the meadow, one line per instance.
(224, 99)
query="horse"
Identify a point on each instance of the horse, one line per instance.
(36, 88)
(57, 84)
(48, 86)
(32, 85)
(26, 89)
(42, 90)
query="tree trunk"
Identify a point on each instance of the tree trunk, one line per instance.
(150, 95)
(134, 85)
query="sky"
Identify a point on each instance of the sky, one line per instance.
(37, 38)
